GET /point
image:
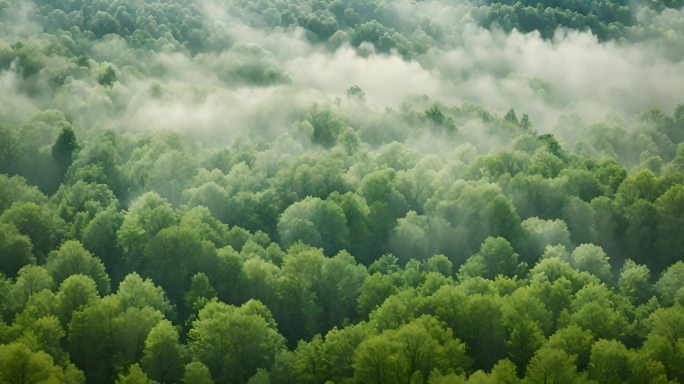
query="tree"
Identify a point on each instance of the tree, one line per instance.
(600, 310)
(375, 289)
(108, 77)
(420, 237)
(80, 202)
(196, 373)
(480, 325)
(339, 348)
(357, 212)
(610, 362)
(426, 344)
(100, 238)
(476, 210)
(386, 205)
(31, 279)
(527, 321)
(136, 292)
(171, 173)
(135, 375)
(324, 125)
(39, 305)
(46, 334)
(541, 233)
(316, 222)
(339, 289)
(550, 365)
(163, 355)
(70, 259)
(592, 258)
(670, 208)
(120, 332)
(173, 255)
(16, 189)
(200, 293)
(505, 372)
(41, 224)
(664, 341)
(635, 282)
(233, 343)
(670, 283)
(511, 116)
(298, 291)
(148, 215)
(415, 349)
(15, 250)
(496, 257)
(64, 148)
(308, 360)
(18, 364)
(75, 292)
(376, 361)
(439, 264)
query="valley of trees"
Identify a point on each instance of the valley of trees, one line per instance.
(178, 204)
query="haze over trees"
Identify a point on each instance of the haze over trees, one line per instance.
(341, 191)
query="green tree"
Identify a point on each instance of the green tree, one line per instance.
(15, 250)
(163, 355)
(196, 373)
(75, 292)
(18, 364)
(635, 282)
(40, 223)
(496, 257)
(232, 342)
(550, 365)
(173, 255)
(323, 126)
(298, 291)
(46, 334)
(610, 362)
(64, 148)
(670, 283)
(375, 289)
(148, 215)
(121, 334)
(70, 259)
(600, 310)
(100, 238)
(665, 341)
(420, 237)
(16, 189)
(31, 279)
(339, 348)
(339, 289)
(80, 202)
(136, 292)
(670, 208)
(200, 293)
(108, 77)
(541, 233)
(135, 375)
(316, 222)
(376, 361)
(592, 258)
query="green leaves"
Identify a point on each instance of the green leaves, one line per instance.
(232, 342)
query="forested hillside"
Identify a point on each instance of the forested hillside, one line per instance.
(344, 191)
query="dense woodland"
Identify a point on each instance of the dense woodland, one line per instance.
(187, 196)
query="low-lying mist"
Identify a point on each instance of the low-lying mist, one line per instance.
(257, 77)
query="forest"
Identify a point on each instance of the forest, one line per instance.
(341, 191)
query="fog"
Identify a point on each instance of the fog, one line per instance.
(255, 75)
